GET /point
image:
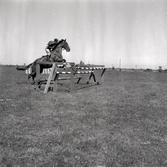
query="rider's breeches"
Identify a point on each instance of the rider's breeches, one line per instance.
(47, 51)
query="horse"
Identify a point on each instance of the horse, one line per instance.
(56, 56)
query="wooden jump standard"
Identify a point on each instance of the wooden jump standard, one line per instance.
(82, 68)
(54, 75)
(73, 72)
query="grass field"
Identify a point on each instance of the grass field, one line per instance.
(122, 123)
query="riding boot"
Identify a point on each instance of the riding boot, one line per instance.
(48, 58)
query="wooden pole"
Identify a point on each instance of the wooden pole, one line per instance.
(55, 80)
(37, 75)
(102, 76)
(49, 78)
(72, 77)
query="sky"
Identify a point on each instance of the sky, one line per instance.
(104, 32)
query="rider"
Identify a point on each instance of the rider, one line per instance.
(50, 46)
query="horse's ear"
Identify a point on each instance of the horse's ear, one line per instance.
(65, 39)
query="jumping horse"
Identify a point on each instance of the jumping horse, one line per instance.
(56, 56)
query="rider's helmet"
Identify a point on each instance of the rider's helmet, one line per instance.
(56, 40)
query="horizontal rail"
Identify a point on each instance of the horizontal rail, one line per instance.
(57, 63)
(91, 68)
(63, 72)
(90, 65)
(51, 63)
(84, 72)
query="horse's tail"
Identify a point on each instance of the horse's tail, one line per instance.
(23, 68)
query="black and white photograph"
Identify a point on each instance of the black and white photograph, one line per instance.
(83, 83)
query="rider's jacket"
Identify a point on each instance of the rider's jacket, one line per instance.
(51, 45)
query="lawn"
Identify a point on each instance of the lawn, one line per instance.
(121, 123)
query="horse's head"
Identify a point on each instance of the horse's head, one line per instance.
(65, 45)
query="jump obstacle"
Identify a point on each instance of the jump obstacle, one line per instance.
(45, 71)
(70, 72)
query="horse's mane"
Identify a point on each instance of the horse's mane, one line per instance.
(57, 44)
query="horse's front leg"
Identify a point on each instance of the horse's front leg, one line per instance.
(33, 80)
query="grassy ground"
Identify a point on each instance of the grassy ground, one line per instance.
(120, 123)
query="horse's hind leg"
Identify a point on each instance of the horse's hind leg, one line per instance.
(33, 76)
(29, 76)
